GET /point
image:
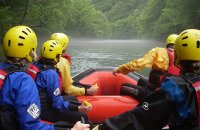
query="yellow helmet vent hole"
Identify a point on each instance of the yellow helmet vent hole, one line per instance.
(185, 44)
(183, 33)
(198, 44)
(21, 37)
(25, 32)
(20, 44)
(186, 37)
(28, 30)
(9, 42)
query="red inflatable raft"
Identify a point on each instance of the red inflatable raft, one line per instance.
(107, 102)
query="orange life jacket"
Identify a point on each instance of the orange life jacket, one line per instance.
(6, 71)
(172, 69)
(194, 80)
(67, 56)
(157, 76)
(197, 89)
(3, 75)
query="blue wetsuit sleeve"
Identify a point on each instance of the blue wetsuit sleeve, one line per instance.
(175, 93)
(177, 96)
(27, 106)
(49, 79)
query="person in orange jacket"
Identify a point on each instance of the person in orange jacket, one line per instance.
(64, 66)
(159, 59)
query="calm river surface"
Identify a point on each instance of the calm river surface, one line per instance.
(106, 53)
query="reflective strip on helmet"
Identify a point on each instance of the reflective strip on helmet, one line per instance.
(197, 88)
(33, 71)
(2, 76)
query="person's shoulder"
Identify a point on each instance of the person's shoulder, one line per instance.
(62, 59)
(49, 71)
(48, 74)
(21, 78)
(20, 74)
(172, 81)
(157, 49)
(160, 48)
(62, 62)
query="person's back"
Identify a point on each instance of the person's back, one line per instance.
(19, 99)
(54, 108)
(64, 66)
(18, 89)
(162, 70)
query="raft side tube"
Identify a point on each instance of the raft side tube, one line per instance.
(108, 101)
(107, 82)
(104, 107)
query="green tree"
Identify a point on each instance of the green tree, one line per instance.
(103, 5)
(145, 22)
(122, 9)
(48, 16)
(102, 18)
(86, 21)
(11, 14)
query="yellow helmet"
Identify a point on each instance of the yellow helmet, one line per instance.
(51, 49)
(61, 38)
(19, 41)
(187, 46)
(171, 39)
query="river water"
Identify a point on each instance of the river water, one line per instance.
(107, 53)
(104, 53)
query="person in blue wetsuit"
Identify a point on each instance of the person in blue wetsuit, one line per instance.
(177, 102)
(19, 99)
(53, 107)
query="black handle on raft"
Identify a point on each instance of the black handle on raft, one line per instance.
(75, 83)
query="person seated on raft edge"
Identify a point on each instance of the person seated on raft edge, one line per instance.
(64, 66)
(19, 99)
(53, 107)
(161, 61)
(177, 103)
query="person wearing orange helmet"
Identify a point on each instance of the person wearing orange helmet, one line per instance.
(64, 66)
(177, 103)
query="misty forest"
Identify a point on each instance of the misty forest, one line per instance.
(104, 19)
(116, 19)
